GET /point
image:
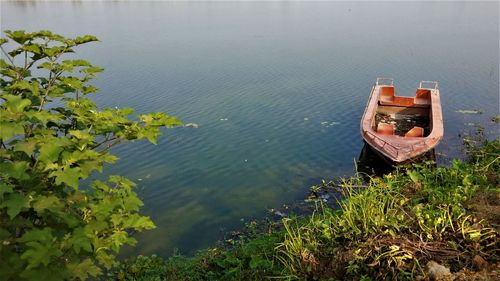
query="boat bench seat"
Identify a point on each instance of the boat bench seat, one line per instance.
(422, 97)
(385, 128)
(415, 132)
(387, 97)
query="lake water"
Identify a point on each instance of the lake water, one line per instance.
(277, 90)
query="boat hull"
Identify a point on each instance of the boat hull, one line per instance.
(399, 148)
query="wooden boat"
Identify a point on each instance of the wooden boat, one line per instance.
(402, 128)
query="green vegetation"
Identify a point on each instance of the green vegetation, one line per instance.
(51, 137)
(387, 228)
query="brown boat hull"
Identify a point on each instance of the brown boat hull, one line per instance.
(399, 148)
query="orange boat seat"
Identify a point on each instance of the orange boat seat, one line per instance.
(385, 129)
(386, 95)
(415, 132)
(422, 97)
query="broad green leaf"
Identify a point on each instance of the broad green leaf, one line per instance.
(39, 253)
(4, 189)
(104, 208)
(17, 170)
(120, 238)
(33, 48)
(47, 202)
(24, 85)
(138, 222)
(27, 146)
(43, 116)
(20, 36)
(70, 176)
(42, 235)
(132, 202)
(122, 181)
(14, 202)
(40, 247)
(15, 103)
(84, 269)
(77, 63)
(10, 129)
(83, 135)
(72, 82)
(85, 39)
(105, 259)
(92, 70)
(80, 240)
(88, 166)
(49, 152)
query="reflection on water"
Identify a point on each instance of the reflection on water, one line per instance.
(277, 89)
(372, 163)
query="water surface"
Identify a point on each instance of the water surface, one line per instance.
(277, 90)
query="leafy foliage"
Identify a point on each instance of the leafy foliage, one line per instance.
(140, 268)
(393, 226)
(246, 260)
(51, 137)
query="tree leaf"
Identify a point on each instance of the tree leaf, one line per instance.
(15, 202)
(4, 189)
(47, 202)
(20, 36)
(84, 269)
(85, 39)
(70, 176)
(80, 240)
(27, 146)
(138, 222)
(49, 152)
(10, 129)
(39, 253)
(16, 170)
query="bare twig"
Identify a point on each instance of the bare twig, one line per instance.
(7, 56)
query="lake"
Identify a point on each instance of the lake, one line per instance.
(277, 89)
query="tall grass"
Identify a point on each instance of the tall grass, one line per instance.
(397, 222)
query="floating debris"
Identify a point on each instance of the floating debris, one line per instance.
(328, 124)
(279, 214)
(223, 119)
(191, 125)
(306, 119)
(325, 197)
(139, 179)
(469, 111)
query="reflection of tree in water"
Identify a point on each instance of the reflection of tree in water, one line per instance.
(403, 123)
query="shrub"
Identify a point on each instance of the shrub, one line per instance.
(51, 137)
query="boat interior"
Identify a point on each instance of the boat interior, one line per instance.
(403, 116)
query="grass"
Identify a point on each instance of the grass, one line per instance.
(386, 228)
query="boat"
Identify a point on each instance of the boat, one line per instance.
(402, 128)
